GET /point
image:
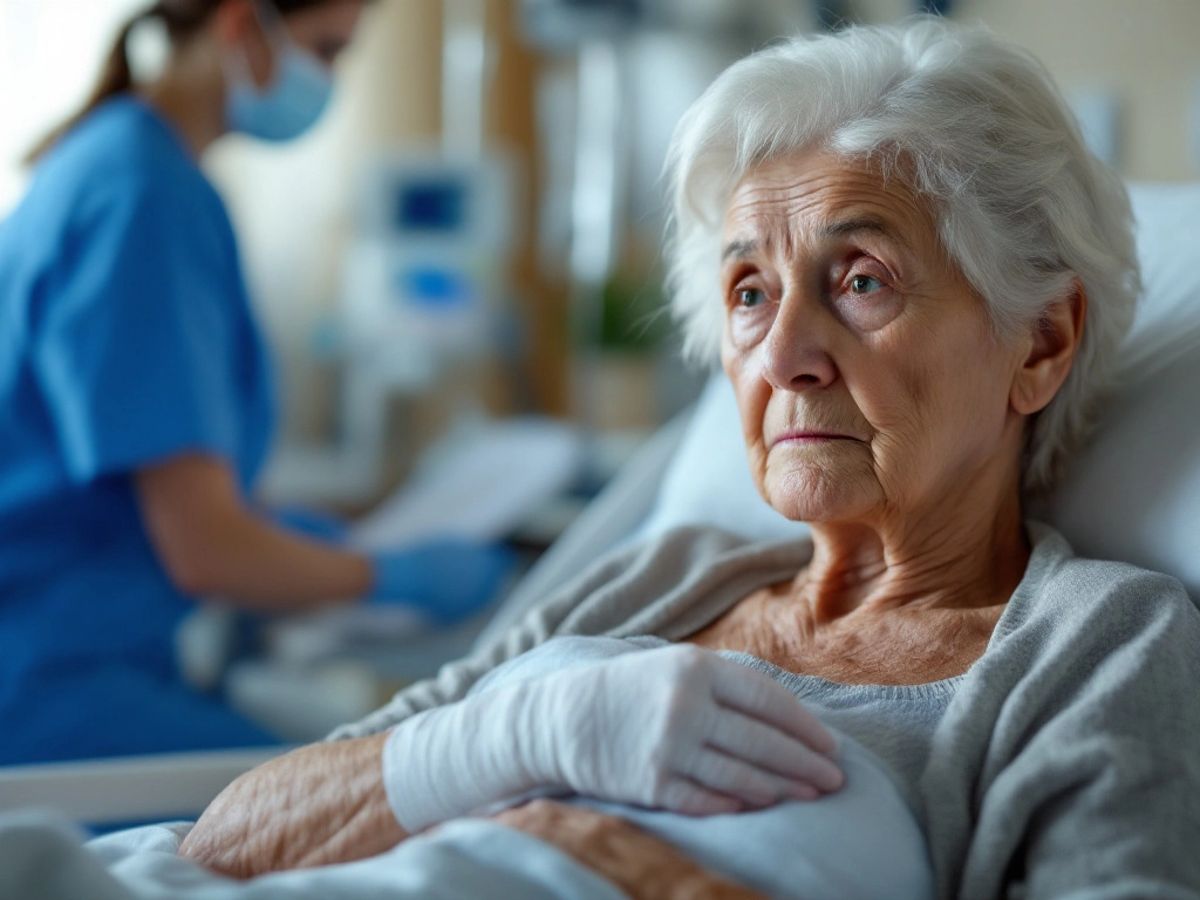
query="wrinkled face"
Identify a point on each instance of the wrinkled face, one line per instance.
(868, 378)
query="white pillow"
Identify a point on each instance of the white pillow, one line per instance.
(708, 480)
(1133, 493)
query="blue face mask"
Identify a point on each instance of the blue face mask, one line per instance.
(288, 107)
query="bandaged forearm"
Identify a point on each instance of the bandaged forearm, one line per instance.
(675, 728)
(444, 763)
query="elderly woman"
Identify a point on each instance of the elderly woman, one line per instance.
(916, 278)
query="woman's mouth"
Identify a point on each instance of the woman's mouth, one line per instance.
(810, 437)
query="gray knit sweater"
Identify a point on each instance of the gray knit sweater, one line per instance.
(1065, 763)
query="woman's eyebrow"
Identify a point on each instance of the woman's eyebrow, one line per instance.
(743, 248)
(869, 224)
(739, 249)
(862, 223)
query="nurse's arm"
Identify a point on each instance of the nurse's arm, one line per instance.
(212, 543)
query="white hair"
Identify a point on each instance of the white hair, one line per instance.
(970, 122)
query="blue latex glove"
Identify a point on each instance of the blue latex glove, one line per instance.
(447, 579)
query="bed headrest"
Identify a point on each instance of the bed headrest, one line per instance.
(1132, 494)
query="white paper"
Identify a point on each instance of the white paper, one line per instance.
(480, 482)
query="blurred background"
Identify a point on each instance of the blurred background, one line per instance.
(471, 240)
(553, 224)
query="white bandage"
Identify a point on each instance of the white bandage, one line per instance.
(678, 728)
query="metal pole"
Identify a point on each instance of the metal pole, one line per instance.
(595, 215)
(467, 60)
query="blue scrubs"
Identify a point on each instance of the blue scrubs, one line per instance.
(126, 338)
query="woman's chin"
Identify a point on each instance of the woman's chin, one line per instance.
(811, 493)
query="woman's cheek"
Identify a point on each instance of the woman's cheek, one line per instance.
(870, 312)
(747, 327)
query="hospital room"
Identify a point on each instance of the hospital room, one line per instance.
(598, 449)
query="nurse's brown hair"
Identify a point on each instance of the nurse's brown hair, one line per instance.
(182, 19)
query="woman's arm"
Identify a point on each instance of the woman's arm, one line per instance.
(675, 728)
(212, 543)
(1102, 796)
(638, 863)
(331, 803)
(325, 804)
(315, 806)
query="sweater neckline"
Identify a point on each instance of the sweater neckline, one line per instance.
(1043, 552)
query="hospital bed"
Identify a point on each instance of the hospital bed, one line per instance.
(1133, 494)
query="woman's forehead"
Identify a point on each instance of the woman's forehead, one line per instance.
(818, 194)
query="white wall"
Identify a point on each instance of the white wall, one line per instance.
(1146, 52)
(50, 53)
(292, 204)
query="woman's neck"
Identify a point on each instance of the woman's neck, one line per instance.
(190, 95)
(956, 559)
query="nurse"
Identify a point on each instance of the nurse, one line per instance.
(137, 400)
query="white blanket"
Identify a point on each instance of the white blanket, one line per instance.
(42, 857)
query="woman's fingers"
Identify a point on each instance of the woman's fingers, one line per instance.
(771, 750)
(754, 786)
(683, 795)
(760, 697)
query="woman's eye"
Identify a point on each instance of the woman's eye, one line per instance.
(864, 284)
(749, 297)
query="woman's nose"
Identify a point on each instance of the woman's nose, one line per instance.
(795, 355)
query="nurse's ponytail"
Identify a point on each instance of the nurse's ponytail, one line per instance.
(116, 77)
(182, 19)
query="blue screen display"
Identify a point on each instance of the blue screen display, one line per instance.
(434, 289)
(432, 206)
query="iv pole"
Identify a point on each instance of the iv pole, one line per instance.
(591, 31)
(595, 216)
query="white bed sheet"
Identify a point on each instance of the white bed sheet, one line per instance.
(43, 857)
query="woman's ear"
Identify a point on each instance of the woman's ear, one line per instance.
(239, 30)
(1052, 347)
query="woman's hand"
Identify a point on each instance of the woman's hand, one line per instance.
(316, 806)
(684, 729)
(640, 864)
(678, 728)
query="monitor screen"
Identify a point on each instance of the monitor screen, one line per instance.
(439, 204)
